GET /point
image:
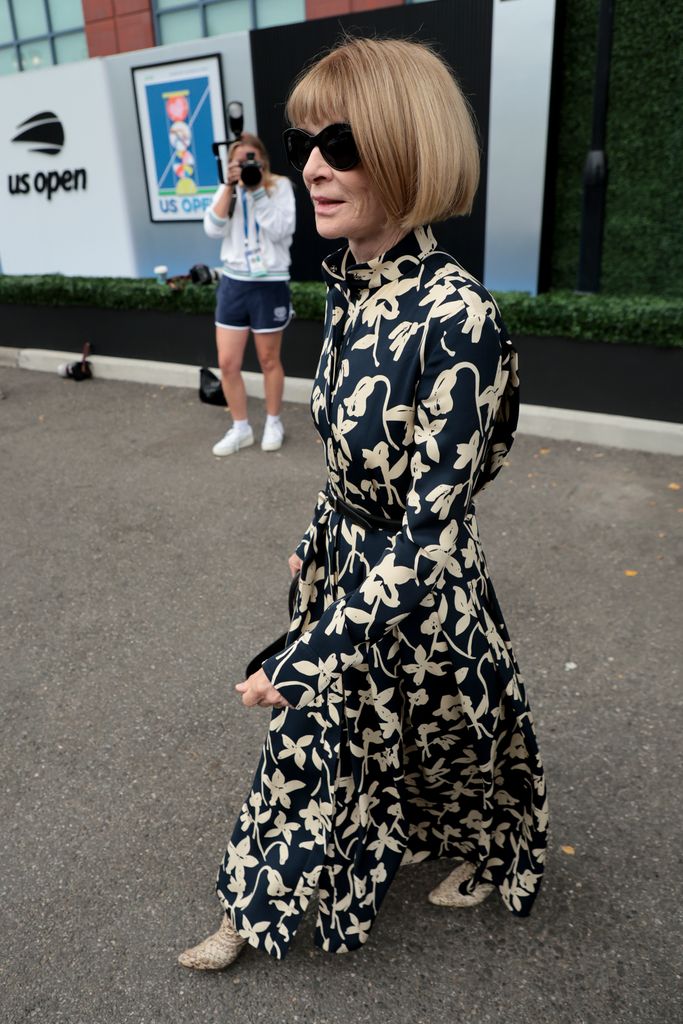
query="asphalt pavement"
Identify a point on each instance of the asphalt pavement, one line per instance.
(139, 575)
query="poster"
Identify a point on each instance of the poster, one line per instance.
(180, 114)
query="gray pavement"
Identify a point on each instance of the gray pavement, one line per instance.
(139, 575)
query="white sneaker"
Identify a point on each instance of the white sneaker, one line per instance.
(273, 436)
(233, 441)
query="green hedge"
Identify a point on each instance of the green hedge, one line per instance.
(648, 320)
(631, 319)
(103, 293)
(134, 293)
(642, 249)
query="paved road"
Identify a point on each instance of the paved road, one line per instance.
(138, 576)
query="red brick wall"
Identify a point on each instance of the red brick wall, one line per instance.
(328, 8)
(115, 26)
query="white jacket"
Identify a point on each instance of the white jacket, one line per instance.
(271, 217)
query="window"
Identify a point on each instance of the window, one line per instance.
(178, 20)
(37, 33)
(279, 12)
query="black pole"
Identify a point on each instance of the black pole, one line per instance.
(595, 167)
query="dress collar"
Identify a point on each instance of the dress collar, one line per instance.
(403, 260)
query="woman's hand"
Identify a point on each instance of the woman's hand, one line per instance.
(295, 564)
(234, 171)
(258, 690)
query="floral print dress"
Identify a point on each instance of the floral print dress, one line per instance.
(409, 735)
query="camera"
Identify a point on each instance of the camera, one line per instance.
(251, 170)
(201, 274)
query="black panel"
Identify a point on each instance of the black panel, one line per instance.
(460, 30)
(562, 372)
(598, 376)
(148, 334)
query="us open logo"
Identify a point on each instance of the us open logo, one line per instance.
(44, 133)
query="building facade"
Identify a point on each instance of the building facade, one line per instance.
(36, 34)
(106, 149)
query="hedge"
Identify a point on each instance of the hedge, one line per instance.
(134, 293)
(633, 319)
(642, 249)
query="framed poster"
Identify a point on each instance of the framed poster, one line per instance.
(180, 114)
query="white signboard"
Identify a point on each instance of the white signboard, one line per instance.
(62, 188)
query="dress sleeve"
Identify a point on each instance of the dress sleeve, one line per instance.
(457, 398)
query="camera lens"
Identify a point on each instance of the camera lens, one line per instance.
(251, 171)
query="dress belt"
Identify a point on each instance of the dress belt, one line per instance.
(364, 519)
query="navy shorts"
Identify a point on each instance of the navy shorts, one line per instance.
(264, 306)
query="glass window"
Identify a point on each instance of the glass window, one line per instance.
(228, 16)
(178, 27)
(71, 47)
(65, 14)
(8, 61)
(6, 35)
(64, 36)
(30, 19)
(36, 55)
(279, 12)
(176, 23)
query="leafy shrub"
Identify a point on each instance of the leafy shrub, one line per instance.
(633, 319)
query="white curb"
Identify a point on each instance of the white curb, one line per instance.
(602, 429)
(143, 371)
(539, 420)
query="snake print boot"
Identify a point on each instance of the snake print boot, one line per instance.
(448, 894)
(216, 952)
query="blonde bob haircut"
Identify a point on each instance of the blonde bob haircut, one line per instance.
(252, 142)
(411, 122)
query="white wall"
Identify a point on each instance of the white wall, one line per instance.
(76, 231)
(104, 229)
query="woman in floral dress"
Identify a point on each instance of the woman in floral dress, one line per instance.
(400, 728)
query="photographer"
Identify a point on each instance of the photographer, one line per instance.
(254, 214)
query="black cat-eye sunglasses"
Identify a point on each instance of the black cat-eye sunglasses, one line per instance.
(335, 142)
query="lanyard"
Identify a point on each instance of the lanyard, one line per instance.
(245, 218)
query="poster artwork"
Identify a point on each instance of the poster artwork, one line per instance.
(180, 114)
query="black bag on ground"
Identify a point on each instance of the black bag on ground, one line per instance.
(210, 390)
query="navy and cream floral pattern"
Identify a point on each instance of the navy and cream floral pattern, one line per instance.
(409, 735)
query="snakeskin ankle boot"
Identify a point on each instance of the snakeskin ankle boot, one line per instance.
(218, 951)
